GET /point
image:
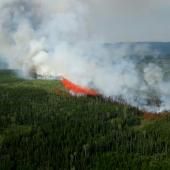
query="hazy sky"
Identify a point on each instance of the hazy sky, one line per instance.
(130, 20)
(117, 20)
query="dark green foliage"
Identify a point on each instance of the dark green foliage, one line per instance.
(40, 130)
(133, 120)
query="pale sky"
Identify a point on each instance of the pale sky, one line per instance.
(117, 20)
(130, 20)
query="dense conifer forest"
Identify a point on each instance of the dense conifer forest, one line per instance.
(42, 127)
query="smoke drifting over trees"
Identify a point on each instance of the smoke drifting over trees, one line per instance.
(64, 38)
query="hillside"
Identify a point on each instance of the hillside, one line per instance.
(43, 127)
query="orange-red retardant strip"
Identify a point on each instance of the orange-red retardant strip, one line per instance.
(78, 89)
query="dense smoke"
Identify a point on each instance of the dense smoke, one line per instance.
(54, 38)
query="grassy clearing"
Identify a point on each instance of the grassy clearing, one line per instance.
(9, 79)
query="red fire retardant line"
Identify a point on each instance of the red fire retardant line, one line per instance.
(78, 89)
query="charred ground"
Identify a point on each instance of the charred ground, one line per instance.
(42, 127)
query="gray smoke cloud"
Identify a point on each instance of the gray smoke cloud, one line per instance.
(64, 38)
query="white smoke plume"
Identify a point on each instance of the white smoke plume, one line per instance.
(57, 38)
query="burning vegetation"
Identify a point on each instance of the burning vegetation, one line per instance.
(78, 90)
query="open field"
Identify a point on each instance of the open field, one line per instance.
(42, 127)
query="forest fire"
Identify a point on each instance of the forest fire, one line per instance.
(76, 89)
